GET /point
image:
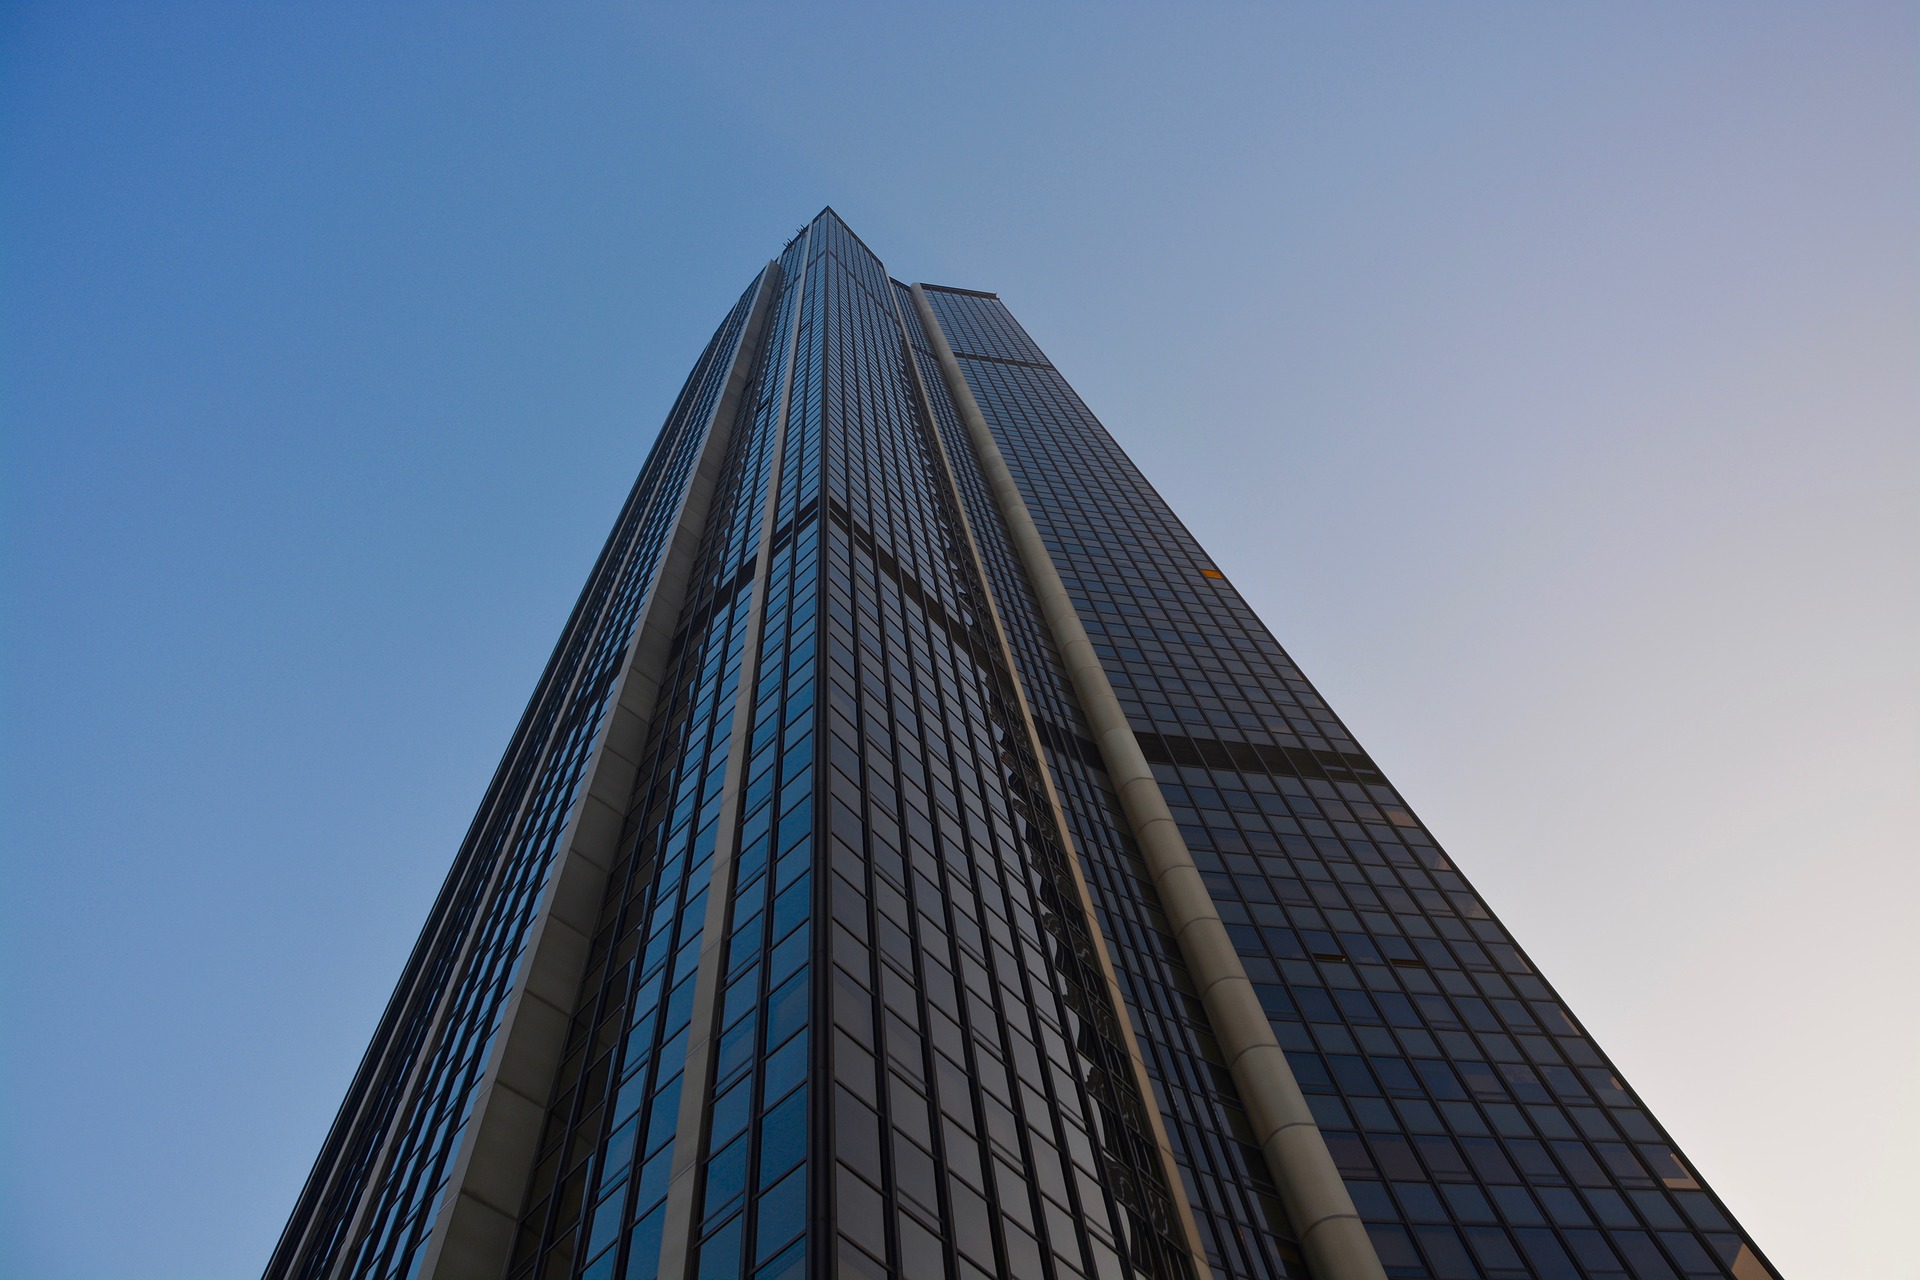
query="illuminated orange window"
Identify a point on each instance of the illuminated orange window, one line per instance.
(1212, 573)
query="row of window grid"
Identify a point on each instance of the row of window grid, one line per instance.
(417, 1178)
(1236, 1210)
(1551, 1232)
(1108, 533)
(981, 326)
(1213, 665)
(1206, 673)
(1458, 1047)
(1251, 705)
(653, 919)
(1350, 1005)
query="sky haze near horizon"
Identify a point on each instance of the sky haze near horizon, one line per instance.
(1544, 376)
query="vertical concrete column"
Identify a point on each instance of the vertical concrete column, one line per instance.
(1156, 1127)
(473, 1236)
(1331, 1234)
(690, 1127)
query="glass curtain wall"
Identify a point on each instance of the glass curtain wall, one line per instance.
(849, 1006)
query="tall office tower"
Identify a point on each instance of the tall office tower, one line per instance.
(916, 860)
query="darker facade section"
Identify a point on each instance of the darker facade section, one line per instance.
(1480, 1130)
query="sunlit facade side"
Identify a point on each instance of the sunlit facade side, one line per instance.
(805, 931)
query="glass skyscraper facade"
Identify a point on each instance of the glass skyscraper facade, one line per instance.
(917, 860)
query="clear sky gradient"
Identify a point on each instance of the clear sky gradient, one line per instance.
(1544, 374)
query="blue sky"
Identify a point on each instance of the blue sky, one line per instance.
(1543, 374)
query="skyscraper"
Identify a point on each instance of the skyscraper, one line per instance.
(916, 859)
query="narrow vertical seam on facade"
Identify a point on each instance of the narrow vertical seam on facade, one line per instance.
(1331, 1234)
(676, 1244)
(456, 1237)
(1149, 1104)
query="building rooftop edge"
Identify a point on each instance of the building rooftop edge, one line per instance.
(954, 288)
